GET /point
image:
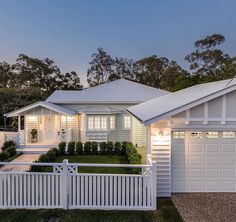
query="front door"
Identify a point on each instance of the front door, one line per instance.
(49, 129)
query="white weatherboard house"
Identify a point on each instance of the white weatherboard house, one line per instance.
(191, 135)
(93, 114)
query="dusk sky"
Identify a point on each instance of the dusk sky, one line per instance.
(69, 31)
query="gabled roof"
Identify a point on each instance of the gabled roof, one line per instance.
(44, 104)
(117, 91)
(173, 103)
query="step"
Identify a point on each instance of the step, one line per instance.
(33, 150)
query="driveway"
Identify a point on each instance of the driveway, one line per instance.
(29, 158)
(206, 207)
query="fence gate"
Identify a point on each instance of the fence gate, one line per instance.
(66, 188)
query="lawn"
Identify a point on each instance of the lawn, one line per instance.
(166, 213)
(109, 159)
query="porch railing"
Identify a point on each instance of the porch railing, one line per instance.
(68, 189)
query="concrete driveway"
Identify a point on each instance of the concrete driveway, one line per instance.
(206, 207)
(29, 158)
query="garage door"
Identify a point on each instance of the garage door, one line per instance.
(203, 161)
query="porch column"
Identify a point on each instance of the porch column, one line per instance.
(25, 131)
(148, 141)
(19, 129)
(67, 133)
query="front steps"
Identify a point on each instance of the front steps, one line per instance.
(34, 149)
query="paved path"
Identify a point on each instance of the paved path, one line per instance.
(22, 158)
(206, 207)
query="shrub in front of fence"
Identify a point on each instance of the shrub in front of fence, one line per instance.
(12, 151)
(94, 148)
(123, 147)
(8, 147)
(103, 148)
(79, 148)
(117, 148)
(4, 155)
(62, 148)
(52, 156)
(8, 144)
(56, 151)
(87, 147)
(71, 148)
(110, 147)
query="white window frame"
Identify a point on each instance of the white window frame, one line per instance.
(195, 135)
(178, 134)
(112, 122)
(90, 123)
(212, 135)
(97, 123)
(224, 136)
(127, 122)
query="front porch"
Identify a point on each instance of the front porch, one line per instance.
(43, 125)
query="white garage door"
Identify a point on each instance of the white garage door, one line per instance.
(203, 161)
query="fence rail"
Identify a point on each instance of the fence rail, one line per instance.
(68, 189)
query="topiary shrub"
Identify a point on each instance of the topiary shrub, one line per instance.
(87, 147)
(8, 144)
(110, 148)
(123, 147)
(11, 150)
(79, 148)
(4, 155)
(51, 155)
(103, 148)
(56, 151)
(117, 148)
(62, 148)
(43, 158)
(71, 148)
(94, 147)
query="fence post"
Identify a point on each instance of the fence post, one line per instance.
(65, 184)
(154, 185)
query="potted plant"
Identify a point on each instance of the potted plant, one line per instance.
(34, 135)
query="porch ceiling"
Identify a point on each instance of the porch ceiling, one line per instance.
(50, 106)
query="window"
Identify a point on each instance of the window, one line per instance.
(112, 122)
(178, 135)
(127, 122)
(195, 135)
(103, 123)
(228, 135)
(97, 123)
(212, 135)
(90, 123)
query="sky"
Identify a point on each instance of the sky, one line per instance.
(70, 31)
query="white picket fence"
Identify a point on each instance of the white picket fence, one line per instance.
(66, 188)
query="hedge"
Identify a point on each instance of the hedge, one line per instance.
(8, 150)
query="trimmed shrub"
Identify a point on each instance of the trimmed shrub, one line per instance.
(62, 148)
(11, 150)
(36, 168)
(8, 144)
(110, 147)
(94, 147)
(51, 155)
(103, 148)
(117, 148)
(43, 158)
(56, 151)
(4, 155)
(123, 147)
(79, 148)
(87, 147)
(71, 148)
